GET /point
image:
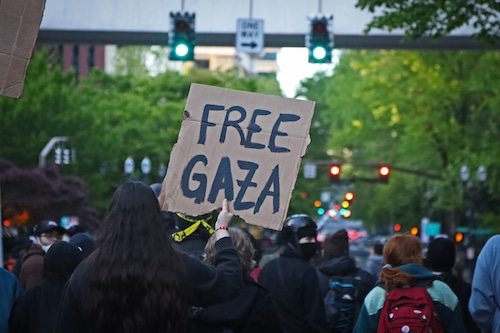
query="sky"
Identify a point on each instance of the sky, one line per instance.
(294, 66)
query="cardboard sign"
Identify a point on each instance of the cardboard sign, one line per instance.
(238, 145)
(19, 24)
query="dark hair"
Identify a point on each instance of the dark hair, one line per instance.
(135, 276)
(378, 248)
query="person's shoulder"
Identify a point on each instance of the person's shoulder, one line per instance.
(375, 299)
(442, 293)
(7, 276)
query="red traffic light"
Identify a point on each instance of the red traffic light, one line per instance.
(335, 170)
(459, 237)
(384, 170)
(383, 173)
(181, 25)
(319, 27)
(397, 227)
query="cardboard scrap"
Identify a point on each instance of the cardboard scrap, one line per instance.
(19, 24)
(243, 146)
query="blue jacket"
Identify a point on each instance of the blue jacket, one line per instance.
(10, 290)
(484, 300)
(444, 299)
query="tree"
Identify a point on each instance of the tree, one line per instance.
(436, 18)
(43, 194)
(418, 110)
(107, 118)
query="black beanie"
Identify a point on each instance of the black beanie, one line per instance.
(60, 261)
(336, 245)
(440, 255)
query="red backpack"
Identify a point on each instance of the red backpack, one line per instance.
(409, 310)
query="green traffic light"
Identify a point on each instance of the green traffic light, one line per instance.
(181, 50)
(321, 211)
(319, 52)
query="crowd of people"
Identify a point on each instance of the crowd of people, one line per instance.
(154, 271)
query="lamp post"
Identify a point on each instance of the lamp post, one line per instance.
(476, 194)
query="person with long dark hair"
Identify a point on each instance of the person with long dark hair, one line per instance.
(134, 281)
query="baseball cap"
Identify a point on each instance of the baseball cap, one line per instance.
(46, 226)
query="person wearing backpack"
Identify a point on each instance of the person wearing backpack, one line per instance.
(343, 285)
(408, 297)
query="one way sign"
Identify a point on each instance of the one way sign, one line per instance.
(250, 35)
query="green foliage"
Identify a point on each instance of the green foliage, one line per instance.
(435, 18)
(420, 111)
(107, 117)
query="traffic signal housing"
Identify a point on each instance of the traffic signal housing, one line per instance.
(182, 37)
(383, 173)
(319, 40)
(334, 171)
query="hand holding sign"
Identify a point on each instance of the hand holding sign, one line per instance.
(241, 146)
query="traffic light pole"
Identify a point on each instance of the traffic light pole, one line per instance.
(48, 147)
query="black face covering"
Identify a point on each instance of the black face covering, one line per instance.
(308, 250)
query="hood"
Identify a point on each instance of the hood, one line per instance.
(338, 266)
(422, 275)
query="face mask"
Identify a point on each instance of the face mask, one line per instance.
(308, 250)
(46, 247)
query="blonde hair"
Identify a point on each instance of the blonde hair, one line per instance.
(400, 250)
(242, 244)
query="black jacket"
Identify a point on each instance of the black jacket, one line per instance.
(205, 286)
(293, 285)
(251, 311)
(345, 266)
(463, 290)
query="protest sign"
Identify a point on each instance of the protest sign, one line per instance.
(19, 24)
(243, 146)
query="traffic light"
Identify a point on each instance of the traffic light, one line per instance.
(383, 173)
(182, 36)
(397, 227)
(459, 237)
(414, 231)
(58, 155)
(319, 40)
(348, 196)
(334, 171)
(66, 156)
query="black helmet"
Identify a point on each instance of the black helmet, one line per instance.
(295, 227)
(298, 221)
